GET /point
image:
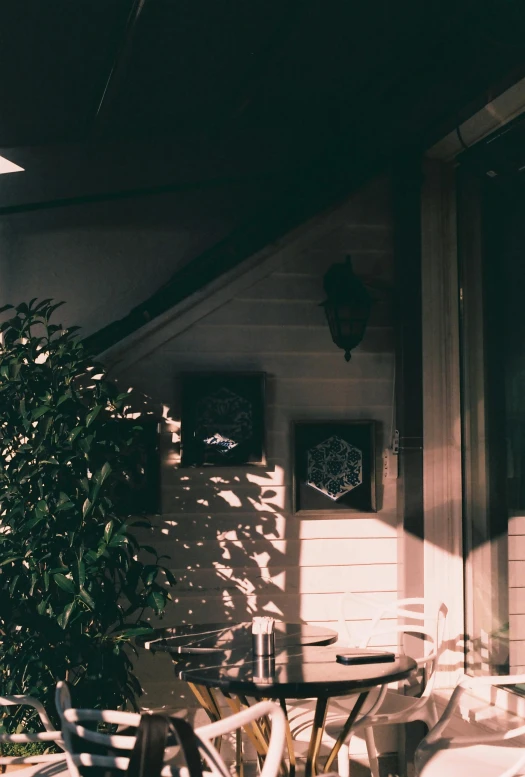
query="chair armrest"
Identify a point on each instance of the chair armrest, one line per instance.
(502, 679)
(435, 733)
(28, 701)
(468, 684)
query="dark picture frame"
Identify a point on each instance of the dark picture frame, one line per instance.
(330, 457)
(221, 410)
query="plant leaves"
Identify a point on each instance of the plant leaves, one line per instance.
(32, 522)
(41, 507)
(157, 601)
(86, 598)
(117, 540)
(93, 414)
(108, 530)
(71, 585)
(74, 434)
(169, 576)
(105, 471)
(63, 618)
(42, 606)
(81, 571)
(39, 411)
(64, 583)
(134, 631)
(10, 560)
(13, 584)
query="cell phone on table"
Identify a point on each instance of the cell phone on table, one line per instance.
(356, 656)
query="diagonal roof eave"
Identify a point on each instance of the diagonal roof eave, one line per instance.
(306, 199)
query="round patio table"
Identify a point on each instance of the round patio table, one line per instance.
(293, 673)
(215, 637)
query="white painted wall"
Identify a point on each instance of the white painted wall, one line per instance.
(236, 548)
(516, 551)
(105, 258)
(5, 251)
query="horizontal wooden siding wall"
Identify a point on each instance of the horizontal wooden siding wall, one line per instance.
(236, 549)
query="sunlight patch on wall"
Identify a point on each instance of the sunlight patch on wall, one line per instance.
(230, 498)
(273, 477)
(9, 167)
(272, 608)
(270, 501)
(171, 423)
(278, 531)
(262, 559)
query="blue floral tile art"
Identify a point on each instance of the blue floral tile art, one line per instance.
(334, 467)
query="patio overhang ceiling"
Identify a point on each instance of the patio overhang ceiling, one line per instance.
(136, 97)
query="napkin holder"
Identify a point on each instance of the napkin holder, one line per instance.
(263, 669)
(263, 644)
(263, 637)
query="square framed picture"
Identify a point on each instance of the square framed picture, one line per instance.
(334, 466)
(223, 422)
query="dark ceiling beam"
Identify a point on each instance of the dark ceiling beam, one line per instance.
(145, 191)
(65, 172)
(119, 64)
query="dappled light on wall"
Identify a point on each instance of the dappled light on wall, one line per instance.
(224, 529)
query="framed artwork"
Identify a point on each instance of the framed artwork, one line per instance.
(140, 492)
(334, 466)
(222, 420)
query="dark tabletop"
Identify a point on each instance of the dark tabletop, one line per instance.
(295, 673)
(215, 637)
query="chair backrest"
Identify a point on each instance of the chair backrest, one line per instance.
(382, 618)
(72, 720)
(48, 736)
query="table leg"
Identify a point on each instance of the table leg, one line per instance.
(239, 763)
(316, 737)
(253, 730)
(289, 739)
(209, 703)
(346, 729)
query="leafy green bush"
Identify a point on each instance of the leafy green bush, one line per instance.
(73, 585)
(30, 748)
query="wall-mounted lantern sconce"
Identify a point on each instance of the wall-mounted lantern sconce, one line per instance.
(347, 306)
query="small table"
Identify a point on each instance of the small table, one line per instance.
(215, 637)
(294, 673)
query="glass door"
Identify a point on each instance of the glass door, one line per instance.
(492, 300)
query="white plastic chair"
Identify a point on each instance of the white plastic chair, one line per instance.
(72, 725)
(49, 735)
(384, 706)
(481, 755)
